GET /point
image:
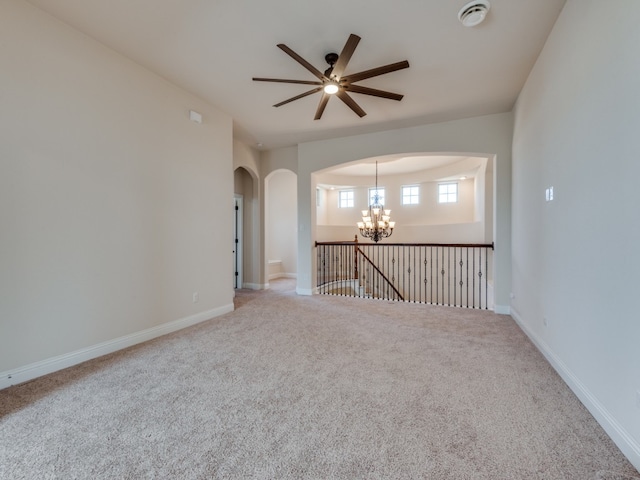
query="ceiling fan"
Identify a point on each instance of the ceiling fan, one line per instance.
(333, 82)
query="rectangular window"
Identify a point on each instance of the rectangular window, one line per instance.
(447, 193)
(410, 195)
(372, 195)
(345, 199)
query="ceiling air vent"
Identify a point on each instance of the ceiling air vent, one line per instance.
(473, 13)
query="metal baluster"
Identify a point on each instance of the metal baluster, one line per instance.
(480, 278)
(474, 279)
(339, 267)
(421, 282)
(486, 279)
(347, 271)
(391, 294)
(468, 277)
(341, 270)
(424, 250)
(431, 274)
(455, 291)
(442, 273)
(461, 283)
(409, 272)
(448, 282)
(414, 273)
(376, 256)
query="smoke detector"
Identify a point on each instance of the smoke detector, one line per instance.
(474, 13)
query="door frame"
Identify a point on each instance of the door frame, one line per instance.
(238, 234)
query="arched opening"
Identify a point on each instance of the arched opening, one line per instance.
(245, 200)
(439, 203)
(411, 185)
(281, 224)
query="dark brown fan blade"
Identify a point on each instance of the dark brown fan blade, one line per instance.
(282, 80)
(322, 105)
(373, 92)
(297, 97)
(302, 61)
(345, 55)
(344, 96)
(374, 72)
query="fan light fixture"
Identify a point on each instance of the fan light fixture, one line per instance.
(331, 88)
(376, 223)
(474, 13)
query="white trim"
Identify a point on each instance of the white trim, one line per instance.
(502, 309)
(238, 232)
(625, 442)
(53, 364)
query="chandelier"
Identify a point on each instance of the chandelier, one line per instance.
(376, 222)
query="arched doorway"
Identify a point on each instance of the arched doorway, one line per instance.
(243, 239)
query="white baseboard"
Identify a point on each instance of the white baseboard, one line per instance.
(50, 365)
(625, 442)
(502, 309)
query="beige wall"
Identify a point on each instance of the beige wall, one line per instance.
(575, 259)
(281, 220)
(489, 136)
(113, 205)
(427, 212)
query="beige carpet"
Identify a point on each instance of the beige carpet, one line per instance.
(311, 387)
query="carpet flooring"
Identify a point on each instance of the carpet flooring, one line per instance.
(311, 387)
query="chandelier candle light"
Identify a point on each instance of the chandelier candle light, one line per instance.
(376, 222)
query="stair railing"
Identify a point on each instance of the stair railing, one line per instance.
(435, 273)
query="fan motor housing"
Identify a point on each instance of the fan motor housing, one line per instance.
(331, 58)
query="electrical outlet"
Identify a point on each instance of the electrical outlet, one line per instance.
(196, 297)
(638, 398)
(544, 321)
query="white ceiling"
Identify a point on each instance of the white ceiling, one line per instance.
(418, 167)
(394, 165)
(213, 48)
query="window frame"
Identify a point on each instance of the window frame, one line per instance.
(351, 200)
(448, 193)
(411, 195)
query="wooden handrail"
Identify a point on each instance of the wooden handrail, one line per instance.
(460, 245)
(454, 274)
(381, 274)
